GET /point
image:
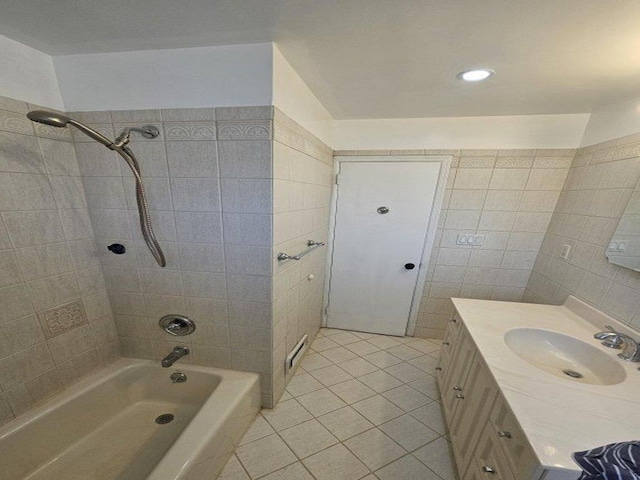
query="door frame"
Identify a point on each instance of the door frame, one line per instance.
(432, 227)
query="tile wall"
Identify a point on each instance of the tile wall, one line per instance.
(506, 195)
(303, 181)
(225, 197)
(55, 321)
(600, 183)
(208, 177)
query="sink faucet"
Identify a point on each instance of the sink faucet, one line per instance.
(613, 339)
(176, 353)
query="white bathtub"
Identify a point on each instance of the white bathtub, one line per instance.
(104, 426)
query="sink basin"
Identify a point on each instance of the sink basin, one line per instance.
(564, 356)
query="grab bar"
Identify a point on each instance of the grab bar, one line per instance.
(312, 244)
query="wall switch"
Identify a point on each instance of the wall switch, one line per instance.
(479, 240)
(566, 250)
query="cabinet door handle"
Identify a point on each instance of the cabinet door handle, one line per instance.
(504, 434)
(439, 368)
(457, 389)
(486, 469)
(460, 396)
(446, 343)
(454, 320)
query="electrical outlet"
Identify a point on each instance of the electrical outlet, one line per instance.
(566, 250)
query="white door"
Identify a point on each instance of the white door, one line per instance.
(376, 255)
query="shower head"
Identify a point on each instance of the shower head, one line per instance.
(48, 118)
(58, 120)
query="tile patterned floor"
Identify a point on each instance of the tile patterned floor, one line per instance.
(361, 406)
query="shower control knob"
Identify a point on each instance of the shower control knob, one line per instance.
(409, 266)
(117, 248)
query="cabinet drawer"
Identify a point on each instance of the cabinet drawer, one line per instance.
(512, 440)
(489, 462)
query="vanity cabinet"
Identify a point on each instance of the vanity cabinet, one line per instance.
(486, 437)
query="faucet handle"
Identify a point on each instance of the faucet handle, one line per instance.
(610, 338)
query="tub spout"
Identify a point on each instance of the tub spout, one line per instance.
(176, 353)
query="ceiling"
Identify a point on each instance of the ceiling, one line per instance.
(380, 58)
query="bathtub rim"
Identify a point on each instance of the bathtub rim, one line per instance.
(233, 384)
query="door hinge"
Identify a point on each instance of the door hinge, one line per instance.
(337, 178)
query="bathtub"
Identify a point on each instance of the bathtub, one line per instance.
(104, 427)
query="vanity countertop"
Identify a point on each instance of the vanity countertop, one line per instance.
(558, 416)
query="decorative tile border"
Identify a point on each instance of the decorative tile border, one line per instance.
(244, 130)
(64, 318)
(15, 122)
(190, 131)
(54, 133)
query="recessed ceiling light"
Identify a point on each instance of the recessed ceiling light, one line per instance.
(475, 75)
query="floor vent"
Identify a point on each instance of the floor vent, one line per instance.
(296, 354)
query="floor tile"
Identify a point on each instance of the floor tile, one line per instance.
(404, 352)
(308, 438)
(345, 338)
(339, 355)
(437, 455)
(330, 331)
(424, 346)
(377, 409)
(383, 342)
(321, 402)
(285, 396)
(364, 335)
(382, 359)
(331, 375)
(406, 468)
(301, 384)
(425, 363)
(406, 397)
(362, 348)
(358, 367)
(233, 470)
(431, 416)
(352, 391)
(265, 456)
(314, 361)
(427, 385)
(286, 414)
(408, 432)
(374, 448)
(405, 372)
(335, 463)
(323, 343)
(345, 423)
(258, 429)
(380, 381)
(295, 471)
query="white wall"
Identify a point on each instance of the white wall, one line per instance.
(235, 75)
(503, 132)
(293, 97)
(612, 121)
(28, 75)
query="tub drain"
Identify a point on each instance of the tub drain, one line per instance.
(572, 373)
(164, 418)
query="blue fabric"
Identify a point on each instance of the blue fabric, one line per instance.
(617, 461)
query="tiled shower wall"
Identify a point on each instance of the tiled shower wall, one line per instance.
(506, 195)
(55, 320)
(303, 174)
(208, 177)
(597, 190)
